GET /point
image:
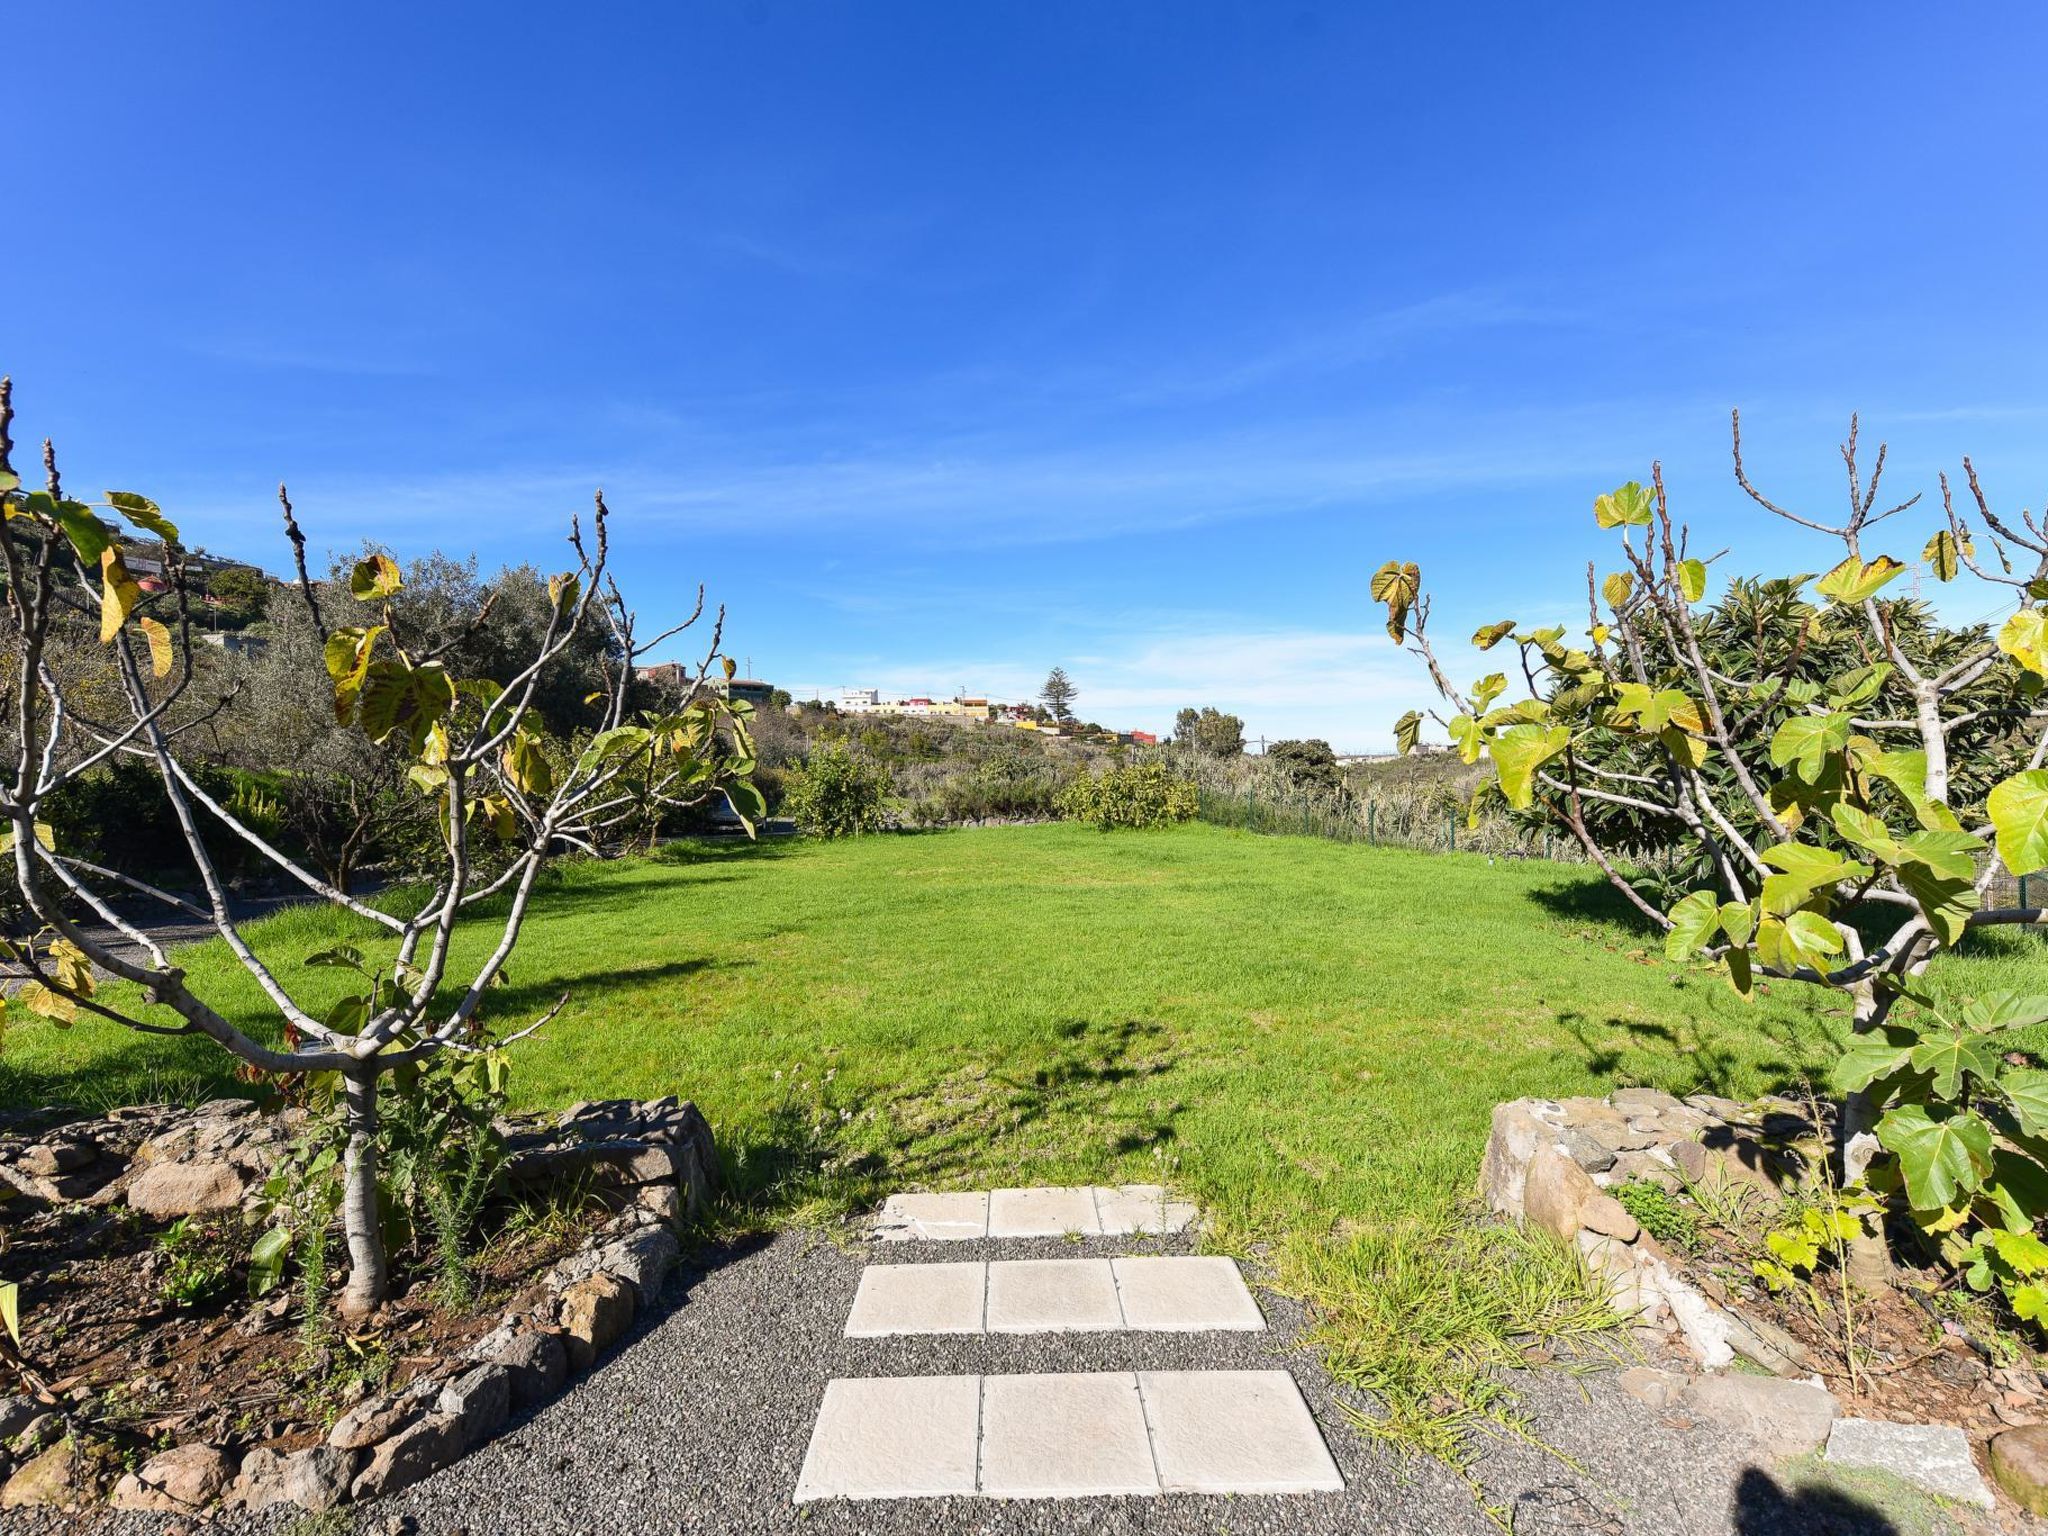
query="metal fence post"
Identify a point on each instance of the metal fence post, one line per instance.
(1451, 825)
(1372, 811)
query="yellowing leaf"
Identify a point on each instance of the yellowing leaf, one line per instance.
(1940, 555)
(1688, 750)
(159, 646)
(53, 1006)
(1397, 586)
(2019, 814)
(526, 765)
(1406, 731)
(1852, 581)
(1629, 506)
(1519, 752)
(1617, 587)
(118, 593)
(1487, 637)
(2025, 639)
(374, 578)
(1692, 579)
(348, 656)
(74, 971)
(144, 514)
(1470, 737)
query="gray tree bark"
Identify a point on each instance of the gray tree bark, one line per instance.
(369, 1280)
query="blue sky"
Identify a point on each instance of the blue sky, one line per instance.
(947, 342)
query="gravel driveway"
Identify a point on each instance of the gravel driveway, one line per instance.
(699, 1424)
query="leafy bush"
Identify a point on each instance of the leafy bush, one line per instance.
(1144, 794)
(198, 1267)
(1968, 1132)
(1660, 1213)
(116, 815)
(1006, 786)
(1833, 764)
(837, 793)
(1307, 764)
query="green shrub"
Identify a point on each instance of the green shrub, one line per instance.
(197, 1268)
(838, 794)
(1143, 794)
(1660, 1213)
(1007, 785)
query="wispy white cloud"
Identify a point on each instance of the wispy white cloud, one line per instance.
(1342, 342)
(1346, 687)
(988, 492)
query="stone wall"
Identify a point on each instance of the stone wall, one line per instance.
(655, 1161)
(1550, 1163)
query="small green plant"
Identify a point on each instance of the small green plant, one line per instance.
(316, 1328)
(1660, 1213)
(1967, 1133)
(441, 1156)
(199, 1270)
(1818, 1233)
(1142, 795)
(1728, 1204)
(838, 793)
(452, 1195)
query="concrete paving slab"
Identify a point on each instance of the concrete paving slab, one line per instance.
(1064, 1437)
(1043, 1213)
(1129, 1209)
(1184, 1295)
(918, 1298)
(1931, 1456)
(943, 1217)
(1234, 1432)
(1052, 1296)
(904, 1437)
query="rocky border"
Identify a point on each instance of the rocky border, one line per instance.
(1549, 1163)
(658, 1158)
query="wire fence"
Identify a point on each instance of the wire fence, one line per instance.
(1407, 823)
(1394, 823)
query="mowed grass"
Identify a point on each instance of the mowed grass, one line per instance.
(1308, 1037)
(1298, 1032)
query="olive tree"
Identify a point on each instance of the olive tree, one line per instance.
(1834, 788)
(473, 755)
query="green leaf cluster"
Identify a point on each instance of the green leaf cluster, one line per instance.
(1966, 1127)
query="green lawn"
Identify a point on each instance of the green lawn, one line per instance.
(1306, 1036)
(1298, 1032)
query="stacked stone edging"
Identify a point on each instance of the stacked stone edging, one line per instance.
(1550, 1162)
(657, 1159)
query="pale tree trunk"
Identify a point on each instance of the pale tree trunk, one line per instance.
(1859, 1110)
(368, 1278)
(1870, 1260)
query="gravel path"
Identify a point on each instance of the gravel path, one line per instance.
(699, 1424)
